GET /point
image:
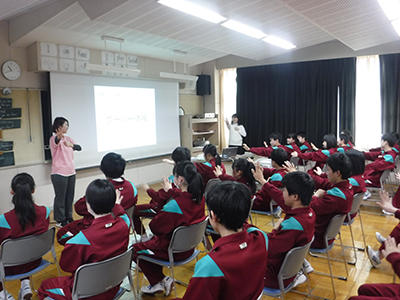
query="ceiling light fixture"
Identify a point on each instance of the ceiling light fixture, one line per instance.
(194, 10)
(244, 29)
(276, 41)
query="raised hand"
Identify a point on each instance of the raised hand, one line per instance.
(289, 167)
(166, 184)
(145, 186)
(386, 202)
(168, 161)
(118, 197)
(390, 247)
(319, 193)
(318, 171)
(265, 144)
(245, 147)
(218, 171)
(258, 174)
(294, 154)
(315, 148)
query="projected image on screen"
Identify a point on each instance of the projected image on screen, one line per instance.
(125, 117)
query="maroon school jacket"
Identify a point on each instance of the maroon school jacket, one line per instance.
(233, 269)
(265, 151)
(206, 170)
(226, 177)
(381, 161)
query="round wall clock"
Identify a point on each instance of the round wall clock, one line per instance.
(11, 70)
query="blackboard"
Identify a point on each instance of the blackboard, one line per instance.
(9, 124)
(5, 102)
(10, 113)
(6, 145)
(7, 159)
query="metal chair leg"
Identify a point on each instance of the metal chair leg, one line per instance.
(354, 246)
(331, 275)
(362, 231)
(344, 258)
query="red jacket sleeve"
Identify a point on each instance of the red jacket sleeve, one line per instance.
(372, 155)
(381, 165)
(317, 156)
(207, 288)
(262, 151)
(163, 223)
(272, 192)
(267, 172)
(72, 257)
(327, 204)
(321, 182)
(80, 207)
(394, 259)
(226, 177)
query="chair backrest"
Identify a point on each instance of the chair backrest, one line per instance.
(14, 252)
(130, 210)
(185, 238)
(96, 278)
(210, 184)
(334, 227)
(357, 199)
(293, 261)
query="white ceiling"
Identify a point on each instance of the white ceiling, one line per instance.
(150, 29)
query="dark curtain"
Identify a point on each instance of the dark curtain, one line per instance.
(296, 97)
(390, 92)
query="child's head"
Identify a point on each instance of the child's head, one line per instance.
(301, 137)
(329, 141)
(229, 204)
(357, 162)
(343, 139)
(235, 119)
(241, 168)
(113, 165)
(291, 138)
(339, 167)
(278, 158)
(396, 136)
(100, 196)
(275, 139)
(210, 152)
(186, 175)
(22, 188)
(388, 140)
(62, 123)
(348, 133)
(181, 154)
(298, 188)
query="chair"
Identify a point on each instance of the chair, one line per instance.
(98, 277)
(184, 238)
(212, 182)
(355, 209)
(291, 266)
(384, 177)
(15, 252)
(331, 232)
(275, 213)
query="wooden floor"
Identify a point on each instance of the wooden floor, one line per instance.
(358, 274)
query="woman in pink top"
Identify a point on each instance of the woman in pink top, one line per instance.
(62, 171)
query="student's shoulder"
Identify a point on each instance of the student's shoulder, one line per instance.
(6, 218)
(257, 235)
(43, 211)
(208, 267)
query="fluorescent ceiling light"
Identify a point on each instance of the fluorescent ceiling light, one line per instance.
(243, 28)
(276, 41)
(396, 25)
(391, 8)
(194, 10)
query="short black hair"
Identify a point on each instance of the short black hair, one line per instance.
(292, 136)
(181, 154)
(302, 134)
(230, 202)
(330, 140)
(235, 116)
(357, 161)
(301, 184)
(279, 156)
(113, 165)
(396, 136)
(340, 162)
(348, 133)
(389, 138)
(59, 122)
(100, 194)
(276, 136)
(344, 137)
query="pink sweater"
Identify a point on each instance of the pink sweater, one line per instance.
(62, 157)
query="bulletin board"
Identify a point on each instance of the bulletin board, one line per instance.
(21, 135)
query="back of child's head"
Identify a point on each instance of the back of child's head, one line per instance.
(246, 167)
(301, 134)
(100, 194)
(348, 133)
(181, 154)
(396, 136)
(230, 202)
(389, 138)
(301, 184)
(344, 137)
(357, 162)
(212, 150)
(340, 162)
(113, 165)
(188, 171)
(276, 136)
(59, 122)
(330, 140)
(23, 186)
(279, 156)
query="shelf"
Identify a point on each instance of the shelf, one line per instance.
(203, 132)
(197, 121)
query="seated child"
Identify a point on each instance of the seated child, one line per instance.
(383, 290)
(304, 144)
(207, 168)
(241, 173)
(275, 174)
(291, 143)
(160, 197)
(274, 141)
(343, 143)
(185, 207)
(347, 132)
(296, 229)
(106, 237)
(337, 199)
(382, 161)
(235, 266)
(25, 219)
(113, 166)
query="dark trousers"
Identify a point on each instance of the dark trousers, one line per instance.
(64, 189)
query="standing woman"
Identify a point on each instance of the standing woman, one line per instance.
(236, 133)
(62, 171)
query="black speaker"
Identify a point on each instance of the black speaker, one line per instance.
(203, 85)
